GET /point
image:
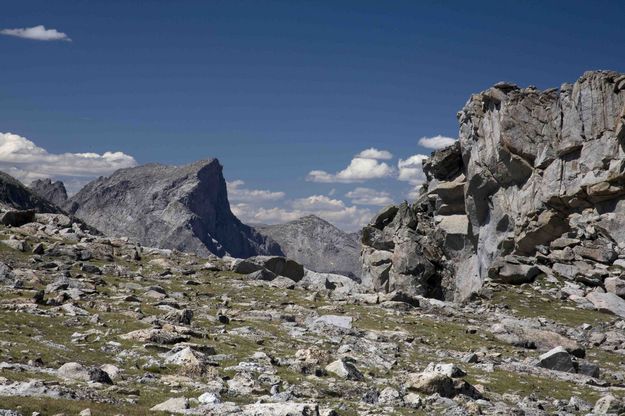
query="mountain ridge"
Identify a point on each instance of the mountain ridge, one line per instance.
(183, 207)
(317, 244)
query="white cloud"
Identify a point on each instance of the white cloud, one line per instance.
(369, 196)
(261, 215)
(236, 193)
(436, 142)
(414, 193)
(362, 167)
(36, 33)
(26, 161)
(411, 169)
(349, 218)
(373, 153)
(318, 203)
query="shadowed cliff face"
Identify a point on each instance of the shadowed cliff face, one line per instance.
(184, 208)
(535, 185)
(14, 195)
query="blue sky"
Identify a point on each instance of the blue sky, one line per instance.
(276, 89)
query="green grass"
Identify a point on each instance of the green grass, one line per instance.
(561, 311)
(49, 406)
(505, 382)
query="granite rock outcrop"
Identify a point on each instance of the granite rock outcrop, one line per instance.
(534, 185)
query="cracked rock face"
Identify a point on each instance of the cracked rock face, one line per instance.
(530, 168)
(177, 207)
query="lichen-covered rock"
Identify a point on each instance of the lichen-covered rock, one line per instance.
(430, 383)
(344, 369)
(609, 405)
(607, 302)
(73, 371)
(173, 405)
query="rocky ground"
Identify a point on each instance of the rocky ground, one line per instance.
(93, 325)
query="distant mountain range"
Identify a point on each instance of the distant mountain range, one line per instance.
(186, 208)
(317, 244)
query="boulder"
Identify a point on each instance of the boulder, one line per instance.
(97, 375)
(450, 370)
(581, 271)
(588, 369)
(179, 316)
(526, 334)
(557, 359)
(262, 274)
(15, 244)
(344, 369)
(280, 409)
(245, 266)
(607, 302)
(278, 265)
(512, 272)
(431, 383)
(340, 321)
(73, 371)
(563, 242)
(402, 256)
(112, 371)
(173, 405)
(609, 405)
(615, 285)
(547, 227)
(159, 336)
(7, 277)
(17, 218)
(185, 356)
(209, 398)
(602, 253)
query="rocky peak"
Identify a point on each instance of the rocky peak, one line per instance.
(14, 195)
(317, 244)
(531, 167)
(52, 191)
(182, 207)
